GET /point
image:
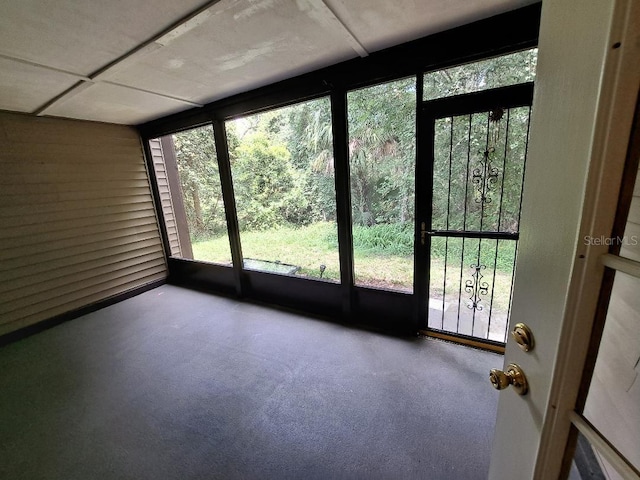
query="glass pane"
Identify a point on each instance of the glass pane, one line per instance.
(283, 179)
(588, 463)
(382, 171)
(630, 242)
(496, 72)
(470, 286)
(192, 202)
(479, 170)
(613, 401)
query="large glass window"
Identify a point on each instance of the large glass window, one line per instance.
(519, 67)
(382, 129)
(283, 179)
(192, 205)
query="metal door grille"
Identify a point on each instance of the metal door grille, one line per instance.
(478, 177)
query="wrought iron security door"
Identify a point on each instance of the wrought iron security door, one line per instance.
(471, 164)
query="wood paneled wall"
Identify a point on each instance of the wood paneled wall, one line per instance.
(77, 219)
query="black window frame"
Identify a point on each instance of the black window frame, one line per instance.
(502, 34)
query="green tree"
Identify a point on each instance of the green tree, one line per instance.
(283, 165)
(382, 152)
(495, 72)
(267, 187)
(309, 138)
(200, 181)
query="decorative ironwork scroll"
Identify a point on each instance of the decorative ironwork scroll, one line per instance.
(486, 174)
(476, 287)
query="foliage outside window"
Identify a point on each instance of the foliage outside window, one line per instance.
(196, 159)
(519, 67)
(283, 180)
(382, 173)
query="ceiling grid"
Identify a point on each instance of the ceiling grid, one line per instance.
(131, 62)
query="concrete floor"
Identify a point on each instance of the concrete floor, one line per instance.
(178, 384)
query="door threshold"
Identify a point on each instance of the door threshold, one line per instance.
(488, 345)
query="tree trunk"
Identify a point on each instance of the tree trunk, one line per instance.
(403, 206)
(197, 208)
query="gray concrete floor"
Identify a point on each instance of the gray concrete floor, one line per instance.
(179, 384)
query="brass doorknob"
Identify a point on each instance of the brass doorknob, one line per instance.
(513, 376)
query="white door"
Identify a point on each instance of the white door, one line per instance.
(586, 85)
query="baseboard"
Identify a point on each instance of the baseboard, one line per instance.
(38, 327)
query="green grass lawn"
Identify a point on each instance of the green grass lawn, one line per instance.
(311, 246)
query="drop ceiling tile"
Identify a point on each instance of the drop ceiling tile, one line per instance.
(83, 36)
(242, 45)
(380, 24)
(24, 88)
(233, 46)
(103, 102)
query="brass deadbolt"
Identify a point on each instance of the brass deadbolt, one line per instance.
(513, 376)
(523, 336)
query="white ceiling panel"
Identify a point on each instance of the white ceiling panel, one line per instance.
(103, 102)
(24, 88)
(380, 24)
(242, 45)
(157, 57)
(82, 36)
